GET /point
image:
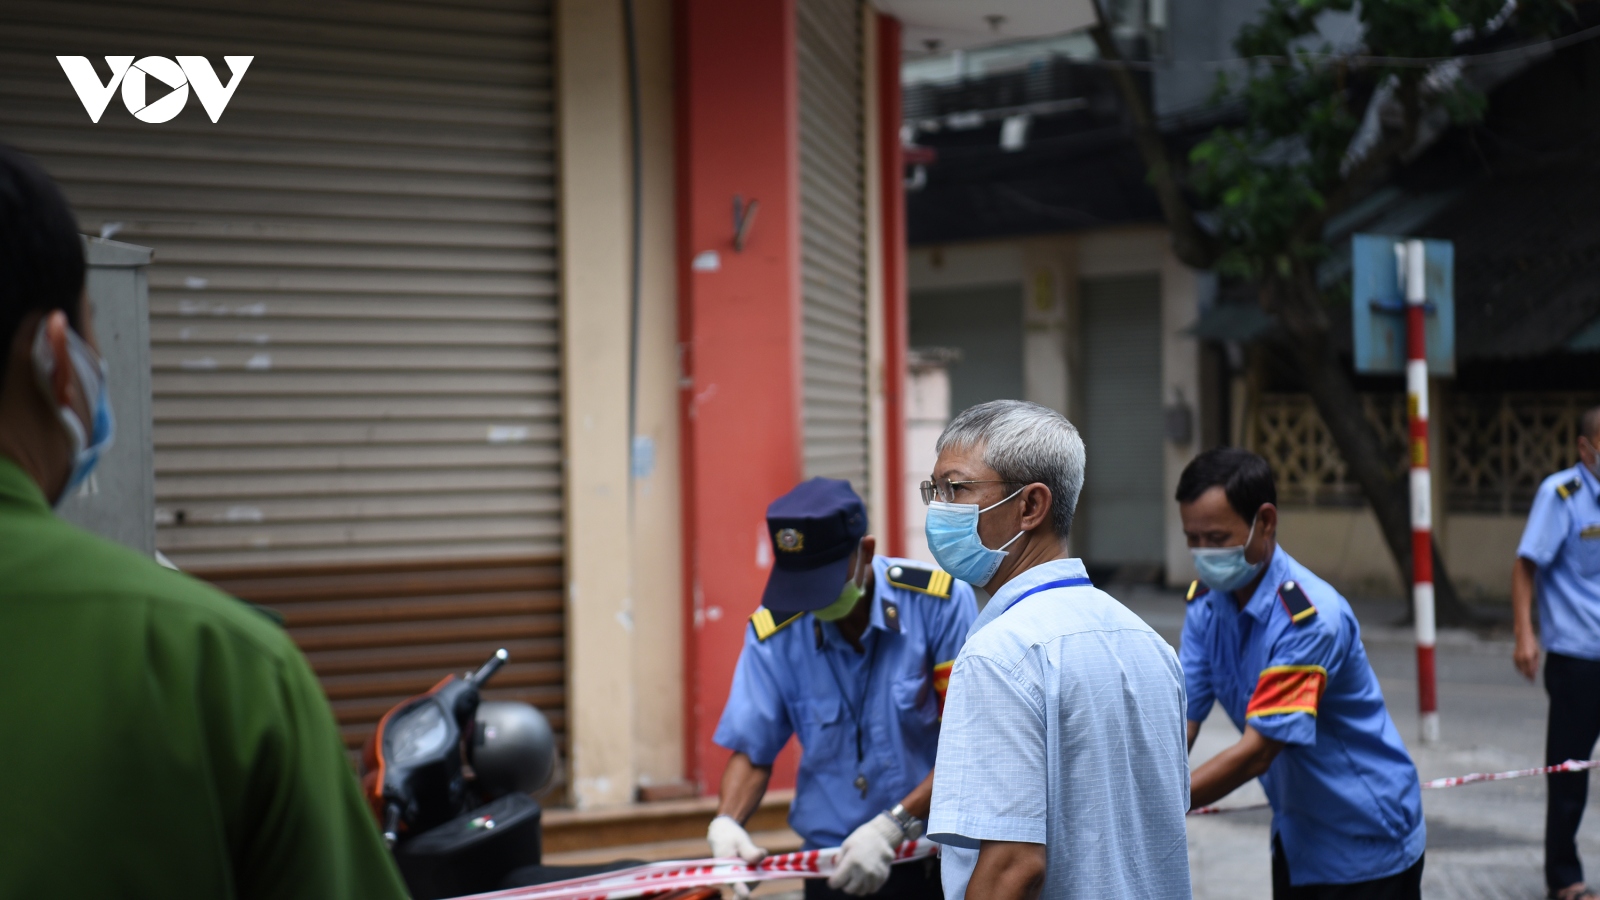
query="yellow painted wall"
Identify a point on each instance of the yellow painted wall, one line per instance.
(1345, 547)
(624, 587)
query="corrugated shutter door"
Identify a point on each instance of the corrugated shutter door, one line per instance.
(377, 633)
(353, 317)
(1122, 493)
(833, 240)
(353, 297)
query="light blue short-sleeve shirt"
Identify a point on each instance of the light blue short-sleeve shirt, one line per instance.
(1064, 726)
(1562, 538)
(806, 680)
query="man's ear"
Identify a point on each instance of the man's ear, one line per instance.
(55, 335)
(1267, 521)
(869, 546)
(1036, 505)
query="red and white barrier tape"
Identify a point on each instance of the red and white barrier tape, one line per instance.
(653, 879)
(1571, 765)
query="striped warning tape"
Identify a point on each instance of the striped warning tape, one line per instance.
(654, 879)
(1571, 765)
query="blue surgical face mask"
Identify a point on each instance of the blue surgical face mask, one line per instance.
(1224, 568)
(952, 530)
(88, 444)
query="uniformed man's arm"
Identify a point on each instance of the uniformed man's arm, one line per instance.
(1194, 732)
(920, 799)
(1526, 654)
(1220, 775)
(1549, 522)
(743, 785)
(755, 725)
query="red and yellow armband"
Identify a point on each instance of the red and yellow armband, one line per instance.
(1287, 689)
(941, 682)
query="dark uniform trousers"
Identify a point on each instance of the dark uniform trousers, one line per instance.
(1405, 885)
(1574, 688)
(916, 880)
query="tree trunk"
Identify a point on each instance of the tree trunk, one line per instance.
(1340, 407)
(1190, 243)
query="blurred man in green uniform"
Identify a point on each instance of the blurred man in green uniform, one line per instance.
(160, 739)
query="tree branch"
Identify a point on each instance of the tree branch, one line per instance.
(1376, 160)
(1190, 242)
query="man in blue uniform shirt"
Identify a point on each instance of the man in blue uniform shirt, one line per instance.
(1281, 651)
(851, 652)
(1560, 556)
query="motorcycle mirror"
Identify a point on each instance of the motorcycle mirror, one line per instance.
(489, 668)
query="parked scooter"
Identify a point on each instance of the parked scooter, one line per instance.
(450, 778)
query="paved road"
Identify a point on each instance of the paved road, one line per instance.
(1484, 841)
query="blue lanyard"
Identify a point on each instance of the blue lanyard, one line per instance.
(1078, 581)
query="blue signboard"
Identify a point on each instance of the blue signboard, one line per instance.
(1377, 301)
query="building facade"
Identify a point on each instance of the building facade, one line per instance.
(499, 323)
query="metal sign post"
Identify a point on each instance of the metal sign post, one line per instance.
(1403, 312)
(1421, 487)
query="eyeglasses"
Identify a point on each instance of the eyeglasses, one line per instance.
(944, 490)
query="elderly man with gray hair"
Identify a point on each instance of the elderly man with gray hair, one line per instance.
(1062, 769)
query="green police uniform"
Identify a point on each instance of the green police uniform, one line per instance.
(159, 738)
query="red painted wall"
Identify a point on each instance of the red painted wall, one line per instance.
(896, 315)
(738, 129)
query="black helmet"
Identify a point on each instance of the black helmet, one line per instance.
(513, 749)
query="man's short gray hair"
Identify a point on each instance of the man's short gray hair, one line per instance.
(1024, 443)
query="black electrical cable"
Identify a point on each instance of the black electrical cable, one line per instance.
(635, 275)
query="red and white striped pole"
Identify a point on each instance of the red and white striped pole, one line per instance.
(1421, 489)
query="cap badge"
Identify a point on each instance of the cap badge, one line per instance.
(790, 540)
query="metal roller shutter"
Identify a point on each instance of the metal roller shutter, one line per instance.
(377, 633)
(833, 262)
(353, 297)
(353, 316)
(1122, 498)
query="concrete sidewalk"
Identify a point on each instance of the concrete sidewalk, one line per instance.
(1484, 840)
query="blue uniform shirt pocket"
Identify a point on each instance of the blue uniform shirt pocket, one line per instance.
(824, 727)
(1586, 549)
(914, 700)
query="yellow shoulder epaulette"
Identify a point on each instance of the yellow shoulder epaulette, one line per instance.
(1295, 602)
(766, 626)
(1565, 491)
(1196, 591)
(934, 582)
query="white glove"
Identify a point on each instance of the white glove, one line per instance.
(868, 853)
(728, 840)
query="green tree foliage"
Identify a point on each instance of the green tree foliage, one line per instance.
(1321, 126)
(1270, 183)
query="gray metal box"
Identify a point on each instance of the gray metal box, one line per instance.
(118, 501)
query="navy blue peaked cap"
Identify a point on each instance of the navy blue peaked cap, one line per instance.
(814, 528)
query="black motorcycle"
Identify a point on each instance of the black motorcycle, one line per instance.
(450, 779)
